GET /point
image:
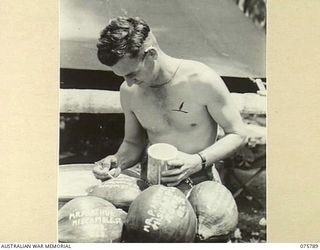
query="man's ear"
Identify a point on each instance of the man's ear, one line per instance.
(152, 52)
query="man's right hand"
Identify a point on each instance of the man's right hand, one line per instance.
(107, 168)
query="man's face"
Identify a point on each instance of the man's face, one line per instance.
(134, 70)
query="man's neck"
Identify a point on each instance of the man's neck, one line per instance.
(167, 67)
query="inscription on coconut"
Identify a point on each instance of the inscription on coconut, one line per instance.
(165, 206)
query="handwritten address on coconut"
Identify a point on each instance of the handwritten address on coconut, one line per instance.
(165, 206)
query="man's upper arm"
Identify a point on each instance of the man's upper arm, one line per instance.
(133, 131)
(220, 105)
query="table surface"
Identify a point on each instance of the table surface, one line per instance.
(75, 180)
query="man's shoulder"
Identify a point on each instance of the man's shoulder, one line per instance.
(126, 92)
(198, 70)
(204, 81)
(199, 73)
(195, 65)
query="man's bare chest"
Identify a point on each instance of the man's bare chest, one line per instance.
(162, 111)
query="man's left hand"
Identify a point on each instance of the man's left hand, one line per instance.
(181, 168)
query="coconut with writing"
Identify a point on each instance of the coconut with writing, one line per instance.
(160, 214)
(120, 191)
(216, 210)
(90, 219)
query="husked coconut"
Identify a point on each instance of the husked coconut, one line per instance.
(215, 208)
(120, 191)
(90, 219)
(160, 214)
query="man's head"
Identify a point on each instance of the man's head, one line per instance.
(122, 36)
(128, 47)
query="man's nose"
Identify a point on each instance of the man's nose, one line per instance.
(129, 81)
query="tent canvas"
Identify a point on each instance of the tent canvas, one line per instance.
(215, 32)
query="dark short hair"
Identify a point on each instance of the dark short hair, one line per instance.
(123, 35)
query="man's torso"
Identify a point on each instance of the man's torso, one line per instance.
(174, 113)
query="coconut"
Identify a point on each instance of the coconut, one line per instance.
(90, 219)
(120, 191)
(160, 214)
(216, 210)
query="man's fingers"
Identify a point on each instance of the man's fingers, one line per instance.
(108, 162)
(176, 163)
(175, 168)
(100, 172)
(172, 172)
(105, 175)
(98, 169)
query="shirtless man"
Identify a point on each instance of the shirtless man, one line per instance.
(167, 100)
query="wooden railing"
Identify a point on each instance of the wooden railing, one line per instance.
(108, 102)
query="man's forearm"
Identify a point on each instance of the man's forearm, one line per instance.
(223, 148)
(129, 154)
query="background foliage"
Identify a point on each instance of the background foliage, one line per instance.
(256, 10)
